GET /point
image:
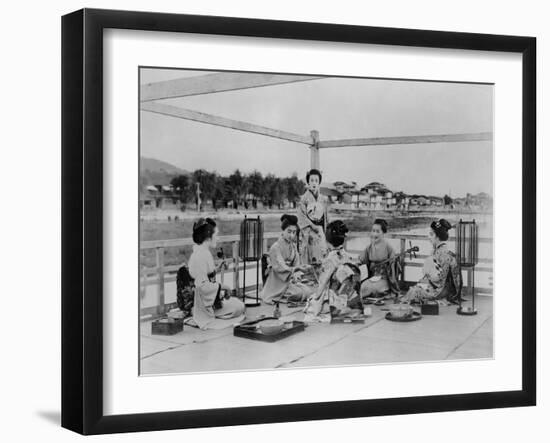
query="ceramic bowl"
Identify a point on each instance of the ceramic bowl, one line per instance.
(400, 310)
(270, 327)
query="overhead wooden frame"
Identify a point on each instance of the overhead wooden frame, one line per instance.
(408, 140)
(217, 82)
(152, 93)
(201, 117)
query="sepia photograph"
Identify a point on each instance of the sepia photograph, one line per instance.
(290, 220)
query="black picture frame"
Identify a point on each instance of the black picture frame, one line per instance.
(82, 220)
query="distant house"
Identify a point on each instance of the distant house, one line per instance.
(380, 197)
(422, 201)
(158, 196)
(481, 200)
(401, 200)
(147, 197)
(377, 196)
(343, 187)
(460, 202)
(373, 187)
(435, 201)
(331, 192)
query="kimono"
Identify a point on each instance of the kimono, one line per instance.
(281, 284)
(338, 291)
(209, 311)
(377, 283)
(442, 278)
(312, 214)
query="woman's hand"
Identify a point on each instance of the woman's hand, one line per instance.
(226, 290)
(221, 265)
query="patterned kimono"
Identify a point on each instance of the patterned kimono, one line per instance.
(209, 311)
(442, 279)
(337, 294)
(377, 283)
(280, 282)
(312, 221)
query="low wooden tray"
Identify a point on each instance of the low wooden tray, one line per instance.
(248, 330)
(413, 317)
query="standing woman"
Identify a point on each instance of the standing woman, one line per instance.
(282, 282)
(312, 220)
(379, 250)
(442, 279)
(210, 309)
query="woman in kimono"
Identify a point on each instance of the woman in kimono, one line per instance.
(378, 251)
(211, 310)
(312, 220)
(442, 280)
(338, 292)
(283, 282)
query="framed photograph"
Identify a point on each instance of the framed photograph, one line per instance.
(269, 221)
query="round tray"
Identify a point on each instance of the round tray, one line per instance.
(465, 311)
(415, 316)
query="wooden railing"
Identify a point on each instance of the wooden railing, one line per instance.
(162, 274)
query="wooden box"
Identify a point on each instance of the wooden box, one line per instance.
(166, 326)
(429, 308)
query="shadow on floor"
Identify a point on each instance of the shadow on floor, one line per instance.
(54, 417)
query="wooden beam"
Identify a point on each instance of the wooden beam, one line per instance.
(408, 140)
(211, 83)
(187, 114)
(315, 160)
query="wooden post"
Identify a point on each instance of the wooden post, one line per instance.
(236, 268)
(470, 281)
(160, 272)
(142, 282)
(403, 248)
(199, 201)
(315, 160)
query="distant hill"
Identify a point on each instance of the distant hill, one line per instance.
(157, 172)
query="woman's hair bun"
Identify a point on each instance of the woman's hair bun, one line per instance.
(340, 227)
(382, 223)
(336, 232)
(445, 224)
(203, 229)
(288, 220)
(441, 228)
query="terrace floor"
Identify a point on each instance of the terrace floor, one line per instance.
(447, 336)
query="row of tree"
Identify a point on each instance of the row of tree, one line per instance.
(238, 188)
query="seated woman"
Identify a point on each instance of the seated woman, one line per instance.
(283, 282)
(376, 253)
(442, 280)
(338, 291)
(210, 309)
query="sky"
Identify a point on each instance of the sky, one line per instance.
(338, 108)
